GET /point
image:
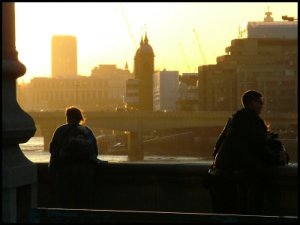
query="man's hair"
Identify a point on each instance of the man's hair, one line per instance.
(74, 114)
(249, 96)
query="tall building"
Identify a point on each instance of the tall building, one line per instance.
(64, 56)
(264, 62)
(132, 94)
(143, 71)
(188, 92)
(104, 89)
(165, 90)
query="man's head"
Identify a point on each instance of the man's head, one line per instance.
(74, 115)
(253, 100)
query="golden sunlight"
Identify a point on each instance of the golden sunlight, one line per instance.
(182, 35)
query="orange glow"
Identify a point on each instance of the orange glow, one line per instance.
(109, 33)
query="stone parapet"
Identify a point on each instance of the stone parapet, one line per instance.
(172, 187)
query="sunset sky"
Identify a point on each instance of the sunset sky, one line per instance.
(110, 33)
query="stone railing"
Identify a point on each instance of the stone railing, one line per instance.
(172, 187)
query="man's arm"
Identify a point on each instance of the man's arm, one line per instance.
(222, 137)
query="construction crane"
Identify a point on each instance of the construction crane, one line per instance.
(199, 46)
(184, 56)
(242, 30)
(124, 15)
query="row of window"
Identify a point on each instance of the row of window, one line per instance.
(72, 84)
(86, 95)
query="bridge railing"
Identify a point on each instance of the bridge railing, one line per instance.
(172, 187)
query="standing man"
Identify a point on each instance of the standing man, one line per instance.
(241, 153)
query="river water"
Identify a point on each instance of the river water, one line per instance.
(33, 150)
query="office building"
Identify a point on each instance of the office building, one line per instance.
(266, 63)
(64, 56)
(165, 90)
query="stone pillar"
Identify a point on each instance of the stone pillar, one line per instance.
(135, 146)
(19, 175)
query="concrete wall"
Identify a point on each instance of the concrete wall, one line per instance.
(172, 187)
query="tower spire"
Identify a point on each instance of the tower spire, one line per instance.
(142, 42)
(146, 38)
(268, 14)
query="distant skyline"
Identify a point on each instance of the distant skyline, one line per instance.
(110, 33)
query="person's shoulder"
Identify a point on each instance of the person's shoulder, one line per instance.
(238, 113)
(241, 116)
(60, 131)
(85, 128)
(90, 132)
(245, 112)
(62, 128)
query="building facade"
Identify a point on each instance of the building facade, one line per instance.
(103, 90)
(64, 56)
(165, 90)
(267, 63)
(188, 92)
(132, 94)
